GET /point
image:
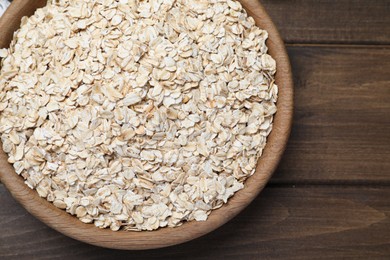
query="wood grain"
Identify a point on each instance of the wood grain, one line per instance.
(276, 142)
(341, 131)
(302, 222)
(330, 21)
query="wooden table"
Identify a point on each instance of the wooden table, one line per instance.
(330, 197)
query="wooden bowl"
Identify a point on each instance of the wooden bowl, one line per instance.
(72, 227)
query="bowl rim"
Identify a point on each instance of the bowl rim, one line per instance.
(128, 240)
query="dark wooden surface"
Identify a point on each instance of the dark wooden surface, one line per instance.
(341, 130)
(330, 197)
(285, 222)
(332, 21)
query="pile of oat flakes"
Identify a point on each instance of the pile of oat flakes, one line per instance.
(137, 114)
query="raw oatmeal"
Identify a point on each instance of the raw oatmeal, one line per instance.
(137, 114)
